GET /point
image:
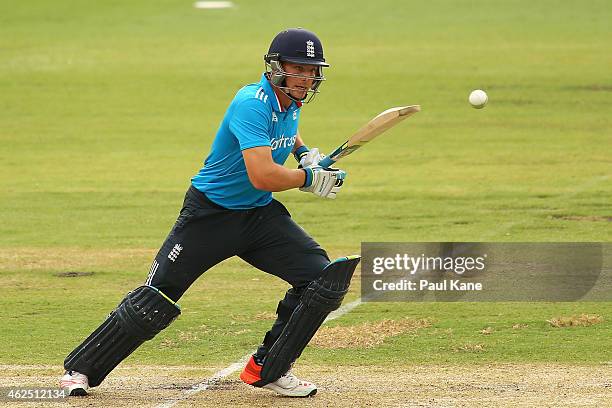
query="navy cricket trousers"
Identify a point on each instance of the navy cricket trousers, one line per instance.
(266, 237)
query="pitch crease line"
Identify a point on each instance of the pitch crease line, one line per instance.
(232, 368)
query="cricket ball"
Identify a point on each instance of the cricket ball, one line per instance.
(478, 98)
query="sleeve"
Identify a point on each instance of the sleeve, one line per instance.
(250, 123)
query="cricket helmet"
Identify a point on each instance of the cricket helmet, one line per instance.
(297, 46)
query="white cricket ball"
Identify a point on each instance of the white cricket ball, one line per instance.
(478, 98)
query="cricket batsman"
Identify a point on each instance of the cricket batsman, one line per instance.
(228, 211)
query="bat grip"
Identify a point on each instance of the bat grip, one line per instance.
(326, 162)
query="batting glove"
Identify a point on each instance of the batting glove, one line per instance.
(323, 182)
(311, 158)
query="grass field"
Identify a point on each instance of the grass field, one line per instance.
(108, 108)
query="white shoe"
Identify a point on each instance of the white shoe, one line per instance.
(75, 383)
(291, 386)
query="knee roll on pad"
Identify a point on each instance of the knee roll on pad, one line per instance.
(320, 298)
(142, 314)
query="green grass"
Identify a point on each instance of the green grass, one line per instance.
(218, 324)
(108, 108)
(457, 326)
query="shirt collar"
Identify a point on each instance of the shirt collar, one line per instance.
(265, 84)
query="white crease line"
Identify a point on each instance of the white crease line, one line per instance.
(342, 310)
(218, 376)
(229, 370)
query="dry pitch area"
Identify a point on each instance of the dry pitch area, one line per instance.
(523, 385)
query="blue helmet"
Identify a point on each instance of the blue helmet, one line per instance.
(297, 46)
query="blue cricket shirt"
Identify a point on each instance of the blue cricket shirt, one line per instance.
(254, 118)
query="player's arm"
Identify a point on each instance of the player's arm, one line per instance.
(266, 175)
(250, 123)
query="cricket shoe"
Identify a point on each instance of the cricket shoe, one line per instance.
(75, 383)
(288, 385)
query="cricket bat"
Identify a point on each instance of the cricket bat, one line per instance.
(382, 122)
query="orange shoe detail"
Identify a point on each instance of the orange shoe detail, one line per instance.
(251, 374)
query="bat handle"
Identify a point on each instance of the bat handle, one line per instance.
(326, 162)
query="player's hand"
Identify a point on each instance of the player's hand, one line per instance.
(312, 158)
(323, 182)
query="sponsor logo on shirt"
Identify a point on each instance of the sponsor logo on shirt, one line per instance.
(283, 142)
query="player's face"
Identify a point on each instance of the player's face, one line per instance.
(298, 87)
